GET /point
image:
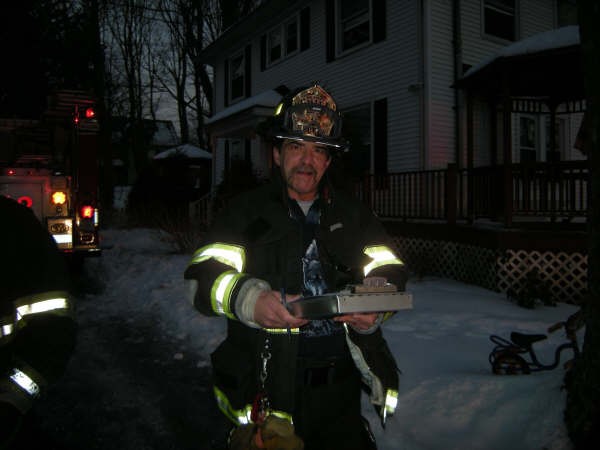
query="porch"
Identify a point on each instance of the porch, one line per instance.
(519, 194)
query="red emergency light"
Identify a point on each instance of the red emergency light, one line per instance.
(25, 200)
(87, 212)
(90, 113)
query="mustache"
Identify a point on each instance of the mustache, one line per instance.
(306, 168)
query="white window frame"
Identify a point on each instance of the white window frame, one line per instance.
(536, 148)
(282, 31)
(496, 6)
(358, 20)
(230, 81)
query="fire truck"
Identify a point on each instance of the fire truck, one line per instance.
(50, 165)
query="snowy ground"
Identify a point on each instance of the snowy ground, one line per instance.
(139, 378)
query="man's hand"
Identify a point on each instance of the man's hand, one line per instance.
(269, 311)
(359, 321)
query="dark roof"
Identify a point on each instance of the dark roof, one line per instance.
(554, 72)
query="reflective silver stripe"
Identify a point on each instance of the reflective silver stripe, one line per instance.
(220, 295)
(41, 306)
(381, 256)
(6, 330)
(22, 380)
(232, 255)
(63, 238)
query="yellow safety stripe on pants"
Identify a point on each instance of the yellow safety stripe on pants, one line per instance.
(232, 255)
(242, 416)
(282, 330)
(52, 301)
(220, 294)
(391, 401)
(381, 255)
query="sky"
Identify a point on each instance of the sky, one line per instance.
(448, 396)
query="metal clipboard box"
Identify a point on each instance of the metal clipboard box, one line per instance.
(336, 304)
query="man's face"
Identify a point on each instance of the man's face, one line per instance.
(303, 164)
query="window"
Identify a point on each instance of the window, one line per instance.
(500, 19)
(282, 41)
(527, 139)
(275, 45)
(354, 23)
(236, 79)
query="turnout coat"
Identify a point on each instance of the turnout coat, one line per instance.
(257, 236)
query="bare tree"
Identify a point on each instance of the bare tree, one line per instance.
(174, 60)
(129, 23)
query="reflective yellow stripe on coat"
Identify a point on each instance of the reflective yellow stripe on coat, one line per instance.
(232, 255)
(381, 255)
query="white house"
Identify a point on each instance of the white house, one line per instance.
(411, 80)
(390, 65)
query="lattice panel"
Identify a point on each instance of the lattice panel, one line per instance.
(468, 263)
(566, 273)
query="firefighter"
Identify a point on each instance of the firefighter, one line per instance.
(298, 236)
(37, 329)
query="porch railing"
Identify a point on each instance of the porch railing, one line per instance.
(544, 191)
(533, 192)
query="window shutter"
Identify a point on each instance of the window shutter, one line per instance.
(305, 29)
(226, 84)
(263, 52)
(380, 136)
(330, 30)
(247, 150)
(379, 20)
(226, 157)
(247, 71)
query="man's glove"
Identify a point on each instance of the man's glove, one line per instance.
(273, 434)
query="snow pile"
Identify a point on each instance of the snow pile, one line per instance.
(448, 399)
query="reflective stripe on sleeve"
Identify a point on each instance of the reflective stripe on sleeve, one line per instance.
(7, 326)
(232, 255)
(53, 301)
(220, 295)
(25, 382)
(381, 256)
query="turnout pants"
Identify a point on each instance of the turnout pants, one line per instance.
(327, 415)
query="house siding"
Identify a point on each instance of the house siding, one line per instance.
(412, 68)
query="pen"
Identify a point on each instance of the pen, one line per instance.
(284, 303)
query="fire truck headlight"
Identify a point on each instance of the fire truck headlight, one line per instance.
(59, 198)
